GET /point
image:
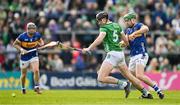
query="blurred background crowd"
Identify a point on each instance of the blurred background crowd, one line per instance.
(73, 22)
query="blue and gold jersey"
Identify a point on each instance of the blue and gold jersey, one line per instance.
(138, 45)
(29, 43)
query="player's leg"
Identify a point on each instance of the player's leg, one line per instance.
(106, 68)
(23, 65)
(112, 59)
(136, 82)
(23, 80)
(35, 67)
(139, 72)
(103, 74)
(132, 66)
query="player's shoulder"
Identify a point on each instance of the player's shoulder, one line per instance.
(139, 24)
(127, 30)
(116, 25)
(22, 35)
(104, 27)
(37, 34)
(111, 25)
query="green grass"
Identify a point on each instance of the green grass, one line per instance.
(85, 97)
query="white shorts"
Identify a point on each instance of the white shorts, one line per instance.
(138, 59)
(115, 58)
(25, 64)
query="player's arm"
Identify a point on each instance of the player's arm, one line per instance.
(144, 29)
(124, 41)
(41, 42)
(98, 40)
(17, 44)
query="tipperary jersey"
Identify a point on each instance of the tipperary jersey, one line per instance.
(112, 38)
(29, 43)
(138, 45)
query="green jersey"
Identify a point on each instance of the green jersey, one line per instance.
(112, 38)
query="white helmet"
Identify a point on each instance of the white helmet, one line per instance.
(31, 25)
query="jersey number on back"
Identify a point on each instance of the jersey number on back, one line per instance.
(115, 36)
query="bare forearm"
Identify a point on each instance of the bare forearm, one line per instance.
(126, 42)
(94, 44)
(98, 40)
(41, 42)
(125, 39)
(16, 44)
(17, 47)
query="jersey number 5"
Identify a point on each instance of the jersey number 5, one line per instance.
(115, 36)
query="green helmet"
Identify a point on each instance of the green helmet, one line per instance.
(129, 16)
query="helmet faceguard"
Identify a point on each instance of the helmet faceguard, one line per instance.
(31, 28)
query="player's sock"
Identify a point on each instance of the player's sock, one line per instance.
(156, 88)
(37, 89)
(23, 88)
(144, 92)
(122, 84)
(36, 86)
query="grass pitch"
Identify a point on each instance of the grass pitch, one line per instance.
(84, 97)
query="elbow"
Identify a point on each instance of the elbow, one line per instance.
(127, 43)
(146, 28)
(99, 42)
(41, 43)
(15, 44)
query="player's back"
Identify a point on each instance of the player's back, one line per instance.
(111, 41)
(138, 45)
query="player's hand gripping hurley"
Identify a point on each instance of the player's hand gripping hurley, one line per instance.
(61, 45)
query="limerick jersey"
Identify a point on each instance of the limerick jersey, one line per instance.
(138, 45)
(112, 38)
(29, 43)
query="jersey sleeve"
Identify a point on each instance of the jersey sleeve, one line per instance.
(102, 29)
(139, 25)
(126, 31)
(20, 37)
(39, 36)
